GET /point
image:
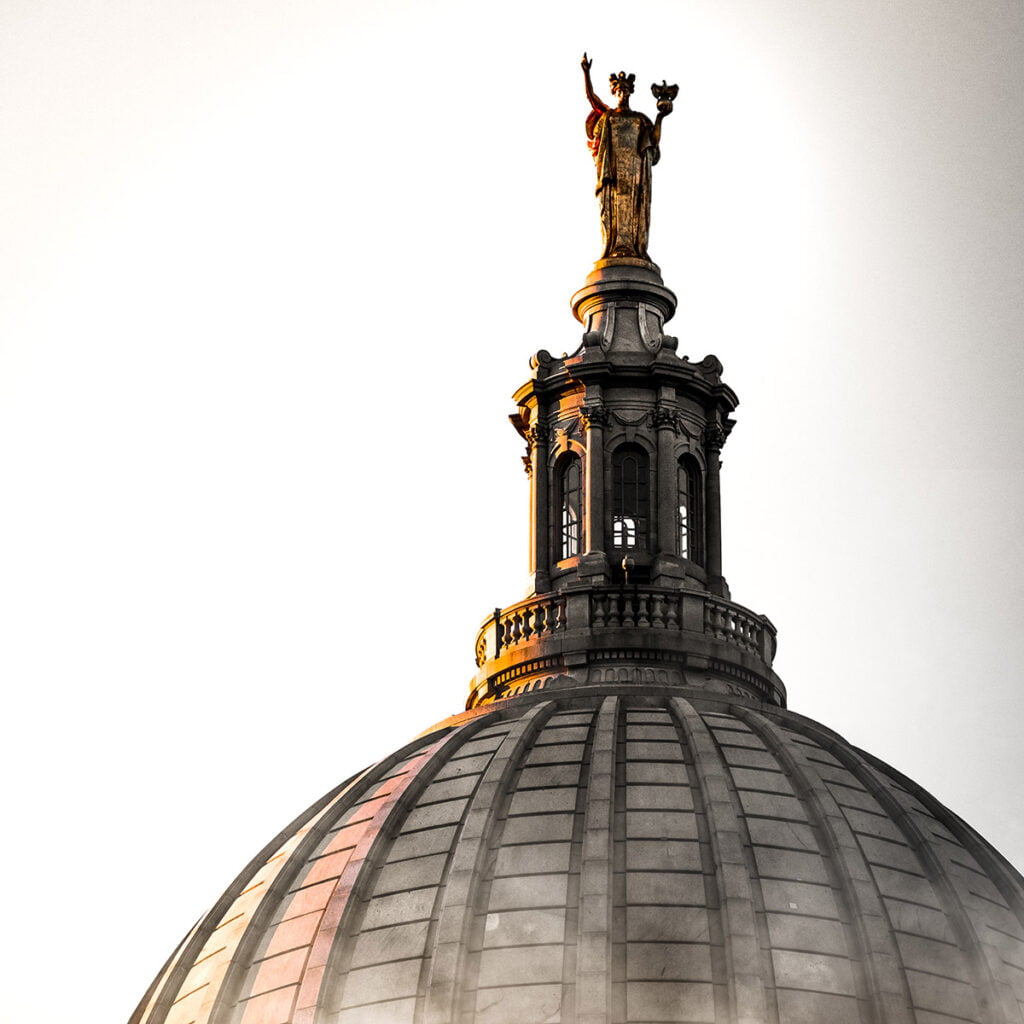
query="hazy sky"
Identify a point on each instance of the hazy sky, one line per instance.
(270, 273)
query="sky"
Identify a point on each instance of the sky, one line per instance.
(269, 274)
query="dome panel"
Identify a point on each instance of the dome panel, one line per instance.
(614, 854)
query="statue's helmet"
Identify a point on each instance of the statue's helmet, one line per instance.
(622, 83)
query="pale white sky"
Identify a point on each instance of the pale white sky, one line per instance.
(270, 273)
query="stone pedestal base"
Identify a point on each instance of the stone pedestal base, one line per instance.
(594, 567)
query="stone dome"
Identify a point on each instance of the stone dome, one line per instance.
(607, 854)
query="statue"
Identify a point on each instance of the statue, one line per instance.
(625, 147)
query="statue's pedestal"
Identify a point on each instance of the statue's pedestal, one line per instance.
(624, 305)
(623, 278)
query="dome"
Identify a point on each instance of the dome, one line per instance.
(626, 825)
(613, 853)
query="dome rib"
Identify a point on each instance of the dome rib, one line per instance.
(194, 984)
(990, 862)
(597, 893)
(533, 866)
(241, 963)
(676, 935)
(361, 863)
(881, 983)
(744, 960)
(273, 959)
(987, 864)
(986, 995)
(461, 890)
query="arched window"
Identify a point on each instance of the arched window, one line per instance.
(630, 497)
(691, 511)
(570, 500)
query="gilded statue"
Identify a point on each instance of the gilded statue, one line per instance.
(624, 143)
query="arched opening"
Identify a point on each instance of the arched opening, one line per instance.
(631, 497)
(690, 523)
(569, 495)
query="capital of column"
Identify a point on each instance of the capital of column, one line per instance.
(595, 415)
(665, 417)
(714, 437)
(538, 436)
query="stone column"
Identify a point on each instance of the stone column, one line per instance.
(594, 560)
(714, 438)
(540, 521)
(668, 496)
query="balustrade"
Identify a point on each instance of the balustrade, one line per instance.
(625, 608)
(640, 608)
(733, 624)
(526, 621)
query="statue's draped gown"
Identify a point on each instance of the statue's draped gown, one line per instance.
(622, 142)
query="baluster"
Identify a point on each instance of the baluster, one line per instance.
(560, 610)
(643, 609)
(716, 622)
(597, 610)
(629, 609)
(529, 622)
(614, 610)
(658, 611)
(673, 613)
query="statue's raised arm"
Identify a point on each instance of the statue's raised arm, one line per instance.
(595, 101)
(625, 146)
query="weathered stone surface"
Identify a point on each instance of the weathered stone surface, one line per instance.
(671, 875)
(669, 1001)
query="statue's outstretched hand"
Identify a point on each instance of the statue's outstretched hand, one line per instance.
(585, 62)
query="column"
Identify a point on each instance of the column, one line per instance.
(595, 418)
(668, 485)
(714, 438)
(540, 523)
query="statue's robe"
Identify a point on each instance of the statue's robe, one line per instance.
(622, 142)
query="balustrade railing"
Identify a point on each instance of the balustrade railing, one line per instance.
(731, 623)
(636, 608)
(525, 621)
(625, 608)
